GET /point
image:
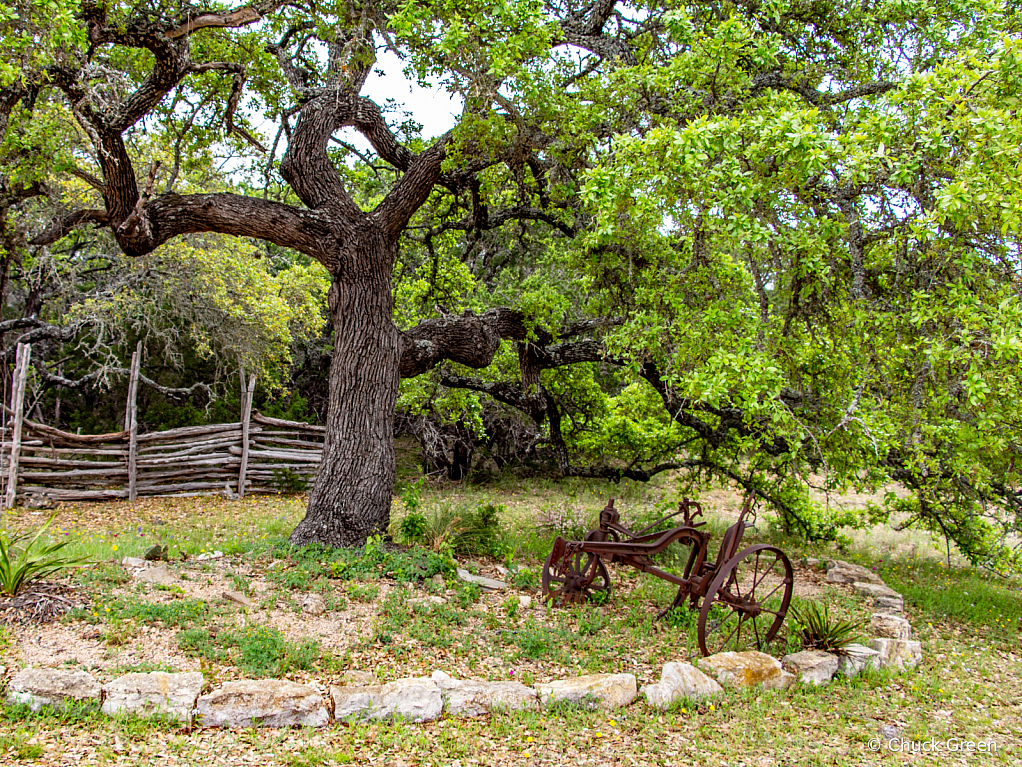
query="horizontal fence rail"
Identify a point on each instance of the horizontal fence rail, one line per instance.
(258, 454)
(193, 460)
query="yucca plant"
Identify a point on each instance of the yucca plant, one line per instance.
(22, 564)
(817, 630)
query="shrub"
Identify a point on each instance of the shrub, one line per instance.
(817, 630)
(23, 564)
(413, 527)
(480, 532)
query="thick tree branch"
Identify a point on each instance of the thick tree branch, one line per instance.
(307, 167)
(238, 18)
(169, 215)
(411, 191)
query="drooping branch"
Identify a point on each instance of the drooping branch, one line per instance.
(40, 331)
(502, 391)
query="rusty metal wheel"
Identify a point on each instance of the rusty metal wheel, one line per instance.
(574, 577)
(746, 602)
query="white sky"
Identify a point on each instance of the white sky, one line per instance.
(435, 108)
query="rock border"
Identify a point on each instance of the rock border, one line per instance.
(282, 703)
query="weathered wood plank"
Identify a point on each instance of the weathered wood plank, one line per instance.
(67, 463)
(228, 470)
(172, 488)
(184, 432)
(131, 421)
(60, 494)
(76, 473)
(49, 431)
(312, 456)
(247, 394)
(24, 355)
(209, 459)
(265, 441)
(177, 451)
(267, 421)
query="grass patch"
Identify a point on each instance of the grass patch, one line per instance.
(15, 745)
(375, 559)
(259, 651)
(960, 594)
(180, 613)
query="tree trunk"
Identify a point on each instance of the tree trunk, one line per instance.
(351, 497)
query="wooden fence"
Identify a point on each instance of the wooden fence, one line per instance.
(256, 454)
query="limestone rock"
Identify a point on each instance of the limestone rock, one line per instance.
(171, 696)
(239, 598)
(313, 604)
(40, 687)
(355, 678)
(846, 572)
(855, 658)
(874, 589)
(157, 574)
(524, 602)
(38, 501)
(747, 669)
(813, 667)
(901, 654)
(484, 583)
(889, 605)
(593, 691)
(890, 626)
(129, 562)
(262, 703)
(209, 555)
(679, 680)
(416, 699)
(476, 698)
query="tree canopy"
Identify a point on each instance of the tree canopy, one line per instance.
(772, 243)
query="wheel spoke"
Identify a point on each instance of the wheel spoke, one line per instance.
(755, 572)
(755, 631)
(778, 586)
(765, 572)
(736, 630)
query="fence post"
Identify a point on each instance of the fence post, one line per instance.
(247, 394)
(131, 422)
(24, 354)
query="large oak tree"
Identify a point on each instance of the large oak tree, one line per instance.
(773, 242)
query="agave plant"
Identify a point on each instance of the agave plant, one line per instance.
(817, 630)
(21, 564)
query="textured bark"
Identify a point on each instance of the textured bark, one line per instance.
(350, 499)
